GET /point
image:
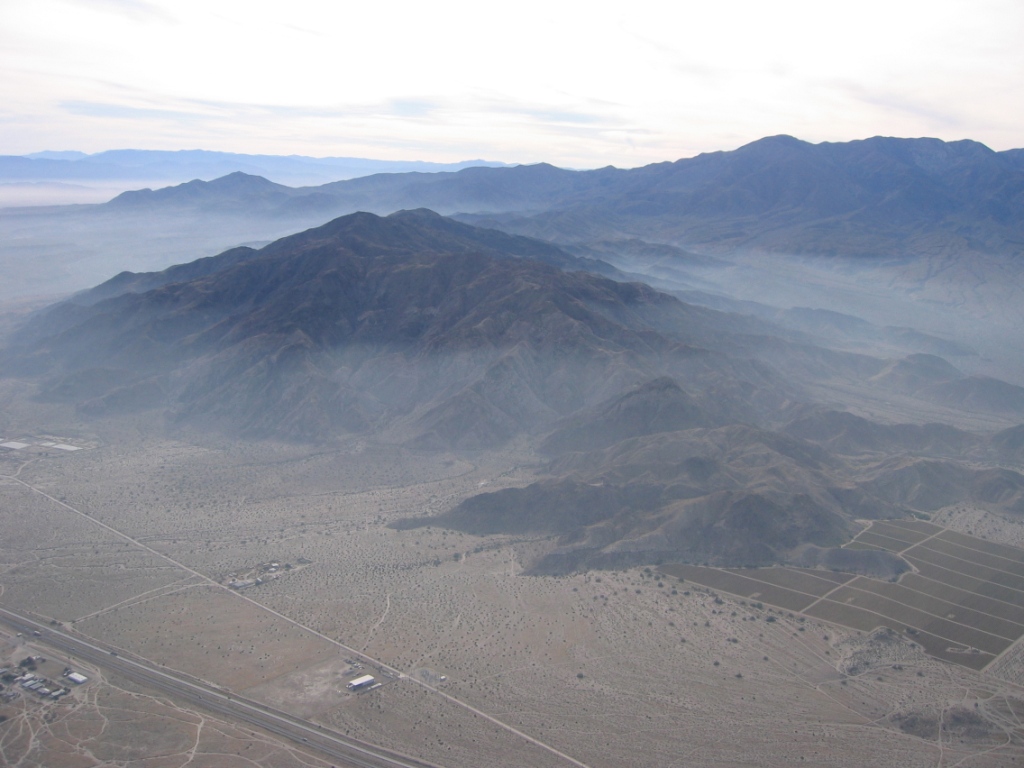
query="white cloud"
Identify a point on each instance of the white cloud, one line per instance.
(580, 84)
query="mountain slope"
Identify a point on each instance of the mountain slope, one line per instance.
(445, 334)
(672, 431)
(734, 494)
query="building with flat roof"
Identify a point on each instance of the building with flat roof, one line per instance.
(360, 682)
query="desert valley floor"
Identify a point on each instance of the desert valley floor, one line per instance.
(154, 547)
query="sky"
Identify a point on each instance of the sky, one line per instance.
(577, 84)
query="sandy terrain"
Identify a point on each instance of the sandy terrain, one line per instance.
(609, 668)
(105, 722)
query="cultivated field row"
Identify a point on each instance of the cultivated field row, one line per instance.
(961, 603)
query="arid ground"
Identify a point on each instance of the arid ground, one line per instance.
(136, 541)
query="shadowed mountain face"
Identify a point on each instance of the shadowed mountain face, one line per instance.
(732, 495)
(411, 230)
(444, 334)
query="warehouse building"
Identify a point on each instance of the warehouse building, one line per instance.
(360, 682)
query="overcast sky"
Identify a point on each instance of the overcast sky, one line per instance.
(578, 84)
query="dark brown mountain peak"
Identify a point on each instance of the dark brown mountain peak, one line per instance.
(443, 333)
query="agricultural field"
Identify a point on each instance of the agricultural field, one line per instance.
(961, 602)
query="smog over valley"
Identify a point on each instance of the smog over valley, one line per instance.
(685, 428)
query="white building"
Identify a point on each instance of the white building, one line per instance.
(360, 682)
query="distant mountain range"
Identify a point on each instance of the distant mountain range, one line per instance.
(667, 431)
(877, 197)
(881, 198)
(151, 166)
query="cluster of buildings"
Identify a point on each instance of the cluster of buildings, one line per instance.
(30, 681)
(261, 573)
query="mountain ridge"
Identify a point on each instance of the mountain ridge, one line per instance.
(176, 166)
(863, 197)
(387, 314)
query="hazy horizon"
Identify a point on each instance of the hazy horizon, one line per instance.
(577, 86)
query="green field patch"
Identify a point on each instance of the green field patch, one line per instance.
(941, 648)
(938, 647)
(964, 581)
(990, 547)
(897, 615)
(883, 542)
(897, 531)
(806, 580)
(965, 603)
(960, 595)
(958, 568)
(847, 616)
(743, 586)
(993, 624)
(914, 526)
(863, 545)
(974, 556)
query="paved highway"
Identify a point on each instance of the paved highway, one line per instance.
(346, 750)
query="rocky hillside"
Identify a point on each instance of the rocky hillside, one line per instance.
(444, 334)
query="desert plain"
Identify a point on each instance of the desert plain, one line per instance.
(153, 545)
